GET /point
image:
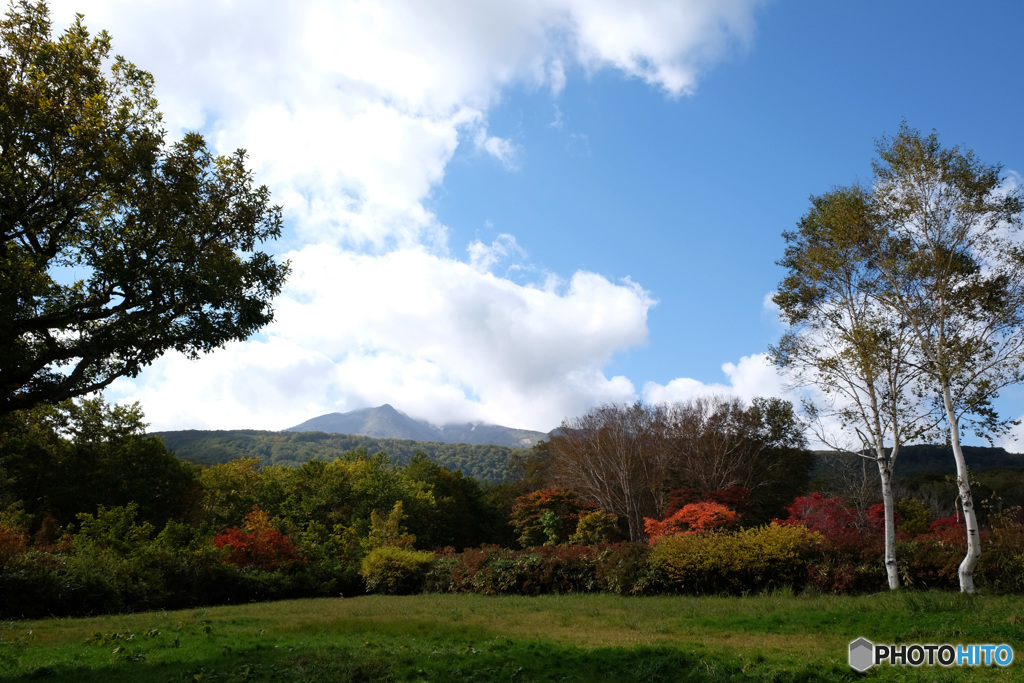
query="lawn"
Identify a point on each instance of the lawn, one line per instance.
(777, 637)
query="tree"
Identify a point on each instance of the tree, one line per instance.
(548, 516)
(256, 544)
(917, 287)
(616, 456)
(953, 263)
(845, 342)
(114, 247)
(716, 445)
(627, 458)
(73, 457)
(694, 518)
(462, 518)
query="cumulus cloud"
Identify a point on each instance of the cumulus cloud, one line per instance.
(667, 44)
(453, 342)
(752, 376)
(350, 112)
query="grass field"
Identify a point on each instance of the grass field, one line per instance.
(550, 638)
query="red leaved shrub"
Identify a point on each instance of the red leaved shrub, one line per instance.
(257, 544)
(694, 518)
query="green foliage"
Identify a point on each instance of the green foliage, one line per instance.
(625, 569)
(548, 516)
(66, 459)
(334, 557)
(389, 531)
(111, 566)
(164, 237)
(393, 570)
(596, 527)
(749, 560)
(914, 516)
(496, 571)
(486, 463)
(463, 516)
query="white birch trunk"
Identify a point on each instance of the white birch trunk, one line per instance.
(891, 572)
(970, 561)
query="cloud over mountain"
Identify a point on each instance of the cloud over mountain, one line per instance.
(351, 113)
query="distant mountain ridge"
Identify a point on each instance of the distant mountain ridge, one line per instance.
(385, 422)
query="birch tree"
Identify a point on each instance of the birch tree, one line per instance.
(844, 342)
(950, 252)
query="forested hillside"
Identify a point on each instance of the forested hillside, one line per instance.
(924, 460)
(482, 462)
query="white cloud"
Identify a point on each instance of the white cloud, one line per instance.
(667, 44)
(505, 151)
(752, 376)
(443, 339)
(351, 112)
(1014, 440)
(483, 257)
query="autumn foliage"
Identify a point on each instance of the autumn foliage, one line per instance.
(548, 516)
(12, 543)
(256, 544)
(694, 518)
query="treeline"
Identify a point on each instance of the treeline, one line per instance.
(95, 516)
(487, 463)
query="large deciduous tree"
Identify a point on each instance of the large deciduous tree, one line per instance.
(719, 444)
(60, 461)
(844, 342)
(952, 257)
(913, 289)
(114, 246)
(616, 455)
(627, 458)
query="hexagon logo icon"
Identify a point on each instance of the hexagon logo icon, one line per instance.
(862, 654)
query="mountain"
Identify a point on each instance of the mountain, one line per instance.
(925, 461)
(384, 422)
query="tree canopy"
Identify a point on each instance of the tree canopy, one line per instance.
(114, 245)
(629, 458)
(911, 293)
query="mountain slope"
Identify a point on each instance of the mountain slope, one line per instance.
(292, 449)
(384, 422)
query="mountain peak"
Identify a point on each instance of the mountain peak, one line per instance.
(386, 422)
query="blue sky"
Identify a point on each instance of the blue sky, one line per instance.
(689, 196)
(513, 211)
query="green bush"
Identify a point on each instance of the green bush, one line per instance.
(595, 527)
(492, 571)
(1002, 558)
(757, 559)
(395, 571)
(440, 576)
(625, 569)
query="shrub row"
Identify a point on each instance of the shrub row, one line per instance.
(723, 562)
(117, 566)
(756, 559)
